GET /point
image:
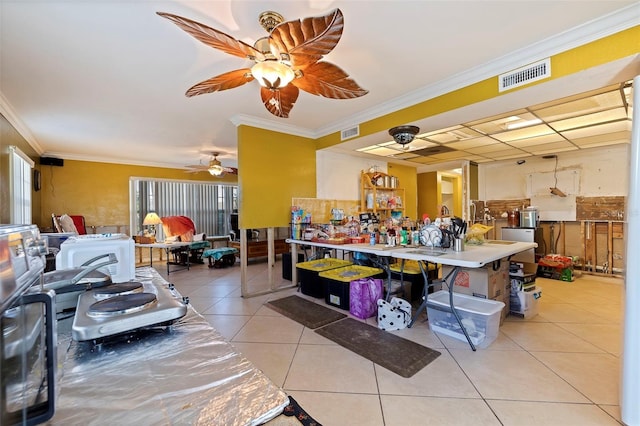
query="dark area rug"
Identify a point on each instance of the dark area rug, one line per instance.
(307, 313)
(392, 352)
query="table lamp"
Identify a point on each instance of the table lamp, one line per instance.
(151, 220)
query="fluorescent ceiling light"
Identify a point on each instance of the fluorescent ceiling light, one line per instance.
(524, 123)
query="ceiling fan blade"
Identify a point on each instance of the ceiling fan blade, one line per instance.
(308, 39)
(328, 80)
(231, 170)
(280, 101)
(214, 38)
(228, 80)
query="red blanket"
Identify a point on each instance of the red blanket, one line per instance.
(181, 226)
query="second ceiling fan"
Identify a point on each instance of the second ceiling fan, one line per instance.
(215, 167)
(287, 60)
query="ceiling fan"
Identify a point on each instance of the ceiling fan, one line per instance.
(215, 167)
(286, 60)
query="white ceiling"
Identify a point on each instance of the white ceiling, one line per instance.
(105, 80)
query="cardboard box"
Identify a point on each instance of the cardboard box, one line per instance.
(485, 282)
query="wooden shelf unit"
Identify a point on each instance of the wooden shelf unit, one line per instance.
(377, 198)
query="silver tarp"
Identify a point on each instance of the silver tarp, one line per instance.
(185, 374)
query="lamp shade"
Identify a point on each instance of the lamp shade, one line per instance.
(272, 74)
(152, 219)
(216, 170)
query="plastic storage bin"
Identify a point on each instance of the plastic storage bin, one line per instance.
(524, 304)
(481, 317)
(337, 282)
(310, 282)
(411, 273)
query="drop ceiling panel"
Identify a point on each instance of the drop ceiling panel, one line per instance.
(527, 132)
(493, 124)
(473, 143)
(603, 140)
(615, 114)
(383, 151)
(600, 129)
(524, 143)
(453, 155)
(455, 135)
(583, 106)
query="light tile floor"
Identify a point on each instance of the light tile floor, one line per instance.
(561, 367)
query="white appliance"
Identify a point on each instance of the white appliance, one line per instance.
(77, 250)
(525, 235)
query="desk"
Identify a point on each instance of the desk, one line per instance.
(472, 257)
(167, 247)
(260, 248)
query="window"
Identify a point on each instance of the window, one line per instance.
(20, 174)
(209, 205)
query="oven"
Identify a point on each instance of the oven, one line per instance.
(28, 323)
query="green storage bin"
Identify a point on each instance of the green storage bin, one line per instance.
(337, 282)
(308, 274)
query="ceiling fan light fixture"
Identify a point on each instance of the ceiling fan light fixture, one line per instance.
(272, 74)
(216, 170)
(404, 134)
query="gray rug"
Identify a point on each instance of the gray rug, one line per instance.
(392, 352)
(305, 312)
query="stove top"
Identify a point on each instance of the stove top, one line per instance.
(124, 307)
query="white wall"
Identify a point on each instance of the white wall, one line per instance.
(602, 172)
(338, 175)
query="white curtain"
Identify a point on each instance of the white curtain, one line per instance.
(20, 172)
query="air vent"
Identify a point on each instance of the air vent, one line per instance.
(425, 152)
(525, 75)
(350, 133)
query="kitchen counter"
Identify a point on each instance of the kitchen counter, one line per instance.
(183, 374)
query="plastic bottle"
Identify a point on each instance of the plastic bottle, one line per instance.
(403, 236)
(415, 237)
(372, 238)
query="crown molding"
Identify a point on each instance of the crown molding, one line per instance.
(9, 113)
(250, 120)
